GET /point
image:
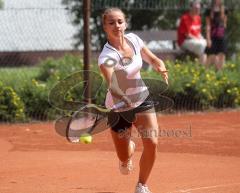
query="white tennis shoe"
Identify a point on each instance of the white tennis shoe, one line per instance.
(140, 188)
(126, 167)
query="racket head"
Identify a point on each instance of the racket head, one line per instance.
(61, 126)
(80, 123)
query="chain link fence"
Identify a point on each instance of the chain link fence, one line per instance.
(33, 31)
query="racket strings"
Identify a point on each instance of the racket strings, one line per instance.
(79, 124)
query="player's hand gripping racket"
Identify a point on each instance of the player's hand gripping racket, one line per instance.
(85, 120)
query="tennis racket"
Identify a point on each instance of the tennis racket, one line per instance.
(92, 119)
(85, 120)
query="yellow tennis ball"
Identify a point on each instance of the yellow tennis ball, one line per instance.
(86, 138)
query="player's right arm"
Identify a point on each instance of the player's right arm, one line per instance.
(112, 82)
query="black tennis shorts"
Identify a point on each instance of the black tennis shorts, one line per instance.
(120, 121)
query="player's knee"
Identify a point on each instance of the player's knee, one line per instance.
(151, 144)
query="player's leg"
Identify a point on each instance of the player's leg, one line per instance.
(121, 142)
(125, 149)
(121, 134)
(146, 123)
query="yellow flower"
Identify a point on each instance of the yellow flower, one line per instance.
(235, 89)
(41, 85)
(177, 65)
(34, 81)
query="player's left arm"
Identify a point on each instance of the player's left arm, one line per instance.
(156, 62)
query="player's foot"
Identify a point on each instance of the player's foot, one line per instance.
(140, 188)
(126, 167)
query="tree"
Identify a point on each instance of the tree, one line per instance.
(143, 14)
(153, 18)
(1, 4)
(233, 33)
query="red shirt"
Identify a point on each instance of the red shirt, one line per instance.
(189, 25)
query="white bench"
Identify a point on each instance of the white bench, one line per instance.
(167, 37)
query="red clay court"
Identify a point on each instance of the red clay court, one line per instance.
(202, 157)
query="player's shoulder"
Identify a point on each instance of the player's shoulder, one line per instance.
(107, 51)
(132, 36)
(135, 39)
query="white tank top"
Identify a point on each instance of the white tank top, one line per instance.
(127, 74)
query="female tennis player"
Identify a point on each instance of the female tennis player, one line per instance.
(120, 62)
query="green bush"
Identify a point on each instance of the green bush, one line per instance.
(54, 71)
(202, 88)
(59, 69)
(194, 87)
(33, 84)
(34, 94)
(16, 77)
(191, 85)
(11, 106)
(24, 91)
(229, 84)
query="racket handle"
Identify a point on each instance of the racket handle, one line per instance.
(118, 105)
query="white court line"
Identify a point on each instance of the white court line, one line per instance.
(205, 187)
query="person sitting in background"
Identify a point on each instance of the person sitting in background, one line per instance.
(189, 32)
(216, 22)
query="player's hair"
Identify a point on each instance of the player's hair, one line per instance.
(110, 9)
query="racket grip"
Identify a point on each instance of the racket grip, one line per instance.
(118, 105)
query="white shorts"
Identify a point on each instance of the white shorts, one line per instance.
(196, 46)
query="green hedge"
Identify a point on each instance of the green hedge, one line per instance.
(35, 97)
(24, 91)
(194, 87)
(54, 70)
(33, 85)
(11, 106)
